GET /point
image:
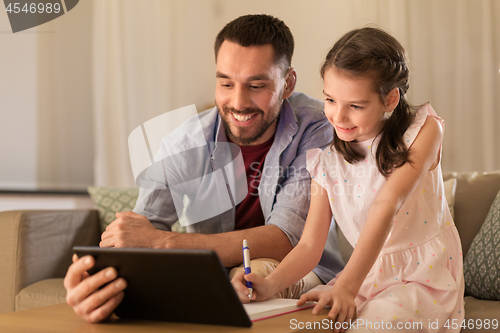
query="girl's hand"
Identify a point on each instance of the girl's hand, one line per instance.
(341, 301)
(261, 287)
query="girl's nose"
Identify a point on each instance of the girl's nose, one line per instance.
(340, 115)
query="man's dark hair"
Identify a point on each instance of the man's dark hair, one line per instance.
(249, 30)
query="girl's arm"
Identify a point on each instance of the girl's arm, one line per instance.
(301, 259)
(307, 253)
(424, 156)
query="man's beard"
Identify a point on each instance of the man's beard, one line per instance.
(245, 140)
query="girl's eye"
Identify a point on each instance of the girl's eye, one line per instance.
(329, 100)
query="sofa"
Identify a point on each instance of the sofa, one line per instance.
(36, 247)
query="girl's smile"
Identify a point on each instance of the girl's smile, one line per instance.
(346, 130)
(352, 107)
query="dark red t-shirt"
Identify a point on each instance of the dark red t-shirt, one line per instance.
(248, 212)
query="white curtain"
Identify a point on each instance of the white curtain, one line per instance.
(140, 57)
(455, 52)
(150, 57)
(131, 83)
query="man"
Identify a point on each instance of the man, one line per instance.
(274, 127)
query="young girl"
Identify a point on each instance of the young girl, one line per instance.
(381, 181)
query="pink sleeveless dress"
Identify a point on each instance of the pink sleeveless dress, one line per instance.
(417, 280)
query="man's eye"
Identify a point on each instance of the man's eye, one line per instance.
(256, 87)
(357, 107)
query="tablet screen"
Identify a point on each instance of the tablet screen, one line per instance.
(176, 285)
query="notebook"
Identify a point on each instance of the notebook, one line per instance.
(274, 307)
(181, 285)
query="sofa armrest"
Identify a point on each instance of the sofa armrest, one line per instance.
(37, 245)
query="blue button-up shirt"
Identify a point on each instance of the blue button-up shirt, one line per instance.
(284, 188)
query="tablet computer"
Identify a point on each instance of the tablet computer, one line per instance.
(172, 285)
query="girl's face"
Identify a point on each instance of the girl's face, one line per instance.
(352, 107)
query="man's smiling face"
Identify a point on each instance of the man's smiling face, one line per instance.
(249, 92)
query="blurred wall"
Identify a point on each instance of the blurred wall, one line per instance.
(49, 137)
(46, 140)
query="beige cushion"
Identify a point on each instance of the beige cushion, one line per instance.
(46, 292)
(473, 198)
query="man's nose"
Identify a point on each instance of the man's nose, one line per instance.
(241, 98)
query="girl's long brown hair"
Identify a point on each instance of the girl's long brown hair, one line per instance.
(373, 53)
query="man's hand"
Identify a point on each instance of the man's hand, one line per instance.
(133, 230)
(83, 293)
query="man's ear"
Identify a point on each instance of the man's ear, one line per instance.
(290, 80)
(392, 100)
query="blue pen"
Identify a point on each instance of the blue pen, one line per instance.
(246, 264)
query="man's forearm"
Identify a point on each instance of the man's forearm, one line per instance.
(265, 242)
